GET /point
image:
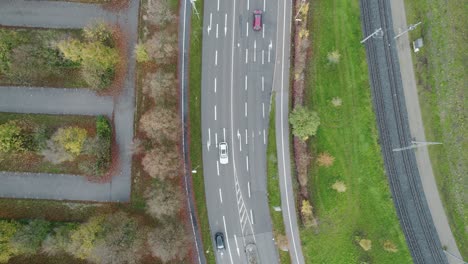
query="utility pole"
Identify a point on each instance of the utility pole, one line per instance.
(417, 144)
(378, 33)
(410, 28)
(194, 8)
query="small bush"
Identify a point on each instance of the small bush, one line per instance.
(103, 128)
(7, 231)
(11, 137)
(336, 101)
(307, 214)
(141, 53)
(29, 237)
(390, 247)
(339, 186)
(334, 57)
(325, 159)
(366, 244)
(71, 139)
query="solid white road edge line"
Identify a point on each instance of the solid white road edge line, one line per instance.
(227, 239)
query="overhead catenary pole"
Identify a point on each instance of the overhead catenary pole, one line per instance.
(378, 33)
(411, 27)
(417, 144)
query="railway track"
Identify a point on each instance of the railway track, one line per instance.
(392, 122)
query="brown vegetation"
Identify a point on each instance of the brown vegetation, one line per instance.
(325, 159)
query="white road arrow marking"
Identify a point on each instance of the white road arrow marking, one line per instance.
(209, 26)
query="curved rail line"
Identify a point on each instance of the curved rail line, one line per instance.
(401, 168)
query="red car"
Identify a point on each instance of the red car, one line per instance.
(257, 20)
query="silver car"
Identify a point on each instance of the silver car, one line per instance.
(223, 153)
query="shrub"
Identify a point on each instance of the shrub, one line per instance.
(304, 122)
(58, 241)
(390, 247)
(339, 186)
(159, 12)
(82, 239)
(55, 153)
(40, 136)
(97, 55)
(307, 214)
(11, 137)
(141, 53)
(325, 159)
(366, 244)
(334, 57)
(29, 237)
(336, 101)
(103, 128)
(162, 46)
(163, 201)
(71, 139)
(7, 230)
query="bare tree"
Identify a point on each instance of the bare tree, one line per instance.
(168, 242)
(161, 164)
(161, 85)
(161, 122)
(159, 12)
(162, 46)
(164, 201)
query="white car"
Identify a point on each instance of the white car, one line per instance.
(223, 153)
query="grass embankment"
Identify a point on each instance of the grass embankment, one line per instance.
(440, 69)
(274, 193)
(40, 152)
(195, 68)
(365, 210)
(28, 57)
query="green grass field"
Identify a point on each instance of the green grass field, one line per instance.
(195, 129)
(274, 193)
(348, 132)
(440, 69)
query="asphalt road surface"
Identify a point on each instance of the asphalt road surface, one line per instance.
(238, 68)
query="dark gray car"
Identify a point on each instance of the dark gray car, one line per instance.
(219, 239)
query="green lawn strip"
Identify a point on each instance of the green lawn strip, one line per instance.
(195, 63)
(28, 57)
(440, 69)
(33, 161)
(365, 210)
(274, 193)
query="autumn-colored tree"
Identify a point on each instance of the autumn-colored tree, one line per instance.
(307, 214)
(304, 122)
(7, 231)
(162, 164)
(390, 246)
(163, 201)
(366, 244)
(160, 124)
(334, 57)
(83, 239)
(141, 53)
(97, 56)
(168, 242)
(121, 241)
(71, 139)
(325, 159)
(339, 186)
(11, 137)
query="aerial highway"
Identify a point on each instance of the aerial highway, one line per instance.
(238, 63)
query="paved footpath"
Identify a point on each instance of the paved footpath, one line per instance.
(72, 101)
(417, 131)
